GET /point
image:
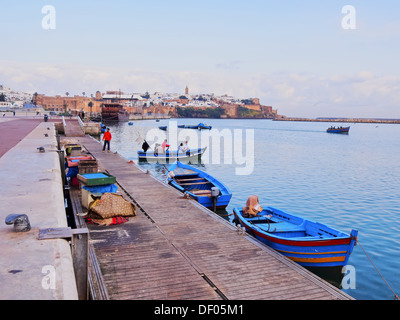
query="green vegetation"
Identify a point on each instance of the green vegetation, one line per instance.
(247, 102)
(190, 112)
(248, 113)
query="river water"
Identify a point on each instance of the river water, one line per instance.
(345, 181)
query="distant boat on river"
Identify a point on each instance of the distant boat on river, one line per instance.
(338, 130)
(200, 126)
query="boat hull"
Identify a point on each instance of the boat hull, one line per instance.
(200, 126)
(114, 112)
(199, 191)
(338, 130)
(308, 243)
(170, 156)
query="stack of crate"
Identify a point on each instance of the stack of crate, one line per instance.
(98, 183)
(88, 166)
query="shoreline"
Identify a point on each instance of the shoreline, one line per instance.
(347, 120)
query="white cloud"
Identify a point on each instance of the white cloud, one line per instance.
(294, 94)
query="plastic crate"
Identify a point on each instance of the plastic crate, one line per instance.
(73, 149)
(96, 179)
(87, 166)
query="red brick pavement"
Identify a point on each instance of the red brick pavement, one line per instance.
(12, 132)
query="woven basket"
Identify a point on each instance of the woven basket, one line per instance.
(111, 205)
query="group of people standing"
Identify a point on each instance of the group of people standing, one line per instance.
(158, 148)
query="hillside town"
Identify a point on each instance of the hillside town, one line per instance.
(145, 104)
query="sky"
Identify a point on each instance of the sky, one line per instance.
(304, 58)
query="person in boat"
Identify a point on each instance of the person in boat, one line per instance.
(180, 148)
(252, 207)
(145, 146)
(164, 145)
(158, 149)
(186, 147)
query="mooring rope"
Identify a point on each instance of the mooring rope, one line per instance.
(395, 295)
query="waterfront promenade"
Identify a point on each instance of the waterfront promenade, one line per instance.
(174, 249)
(32, 269)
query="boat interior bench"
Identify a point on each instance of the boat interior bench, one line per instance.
(277, 226)
(201, 192)
(193, 183)
(190, 179)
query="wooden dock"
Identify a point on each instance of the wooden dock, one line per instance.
(174, 249)
(73, 128)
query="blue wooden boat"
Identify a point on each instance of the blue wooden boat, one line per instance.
(344, 130)
(200, 126)
(309, 243)
(199, 185)
(130, 123)
(170, 155)
(164, 128)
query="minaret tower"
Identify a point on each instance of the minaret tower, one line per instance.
(187, 92)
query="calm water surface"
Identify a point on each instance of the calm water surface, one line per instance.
(346, 181)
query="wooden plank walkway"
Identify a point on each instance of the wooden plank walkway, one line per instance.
(176, 249)
(73, 128)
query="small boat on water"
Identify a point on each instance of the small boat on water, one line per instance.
(163, 128)
(130, 123)
(200, 126)
(309, 243)
(199, 185)
(338, 130)
(169, 156)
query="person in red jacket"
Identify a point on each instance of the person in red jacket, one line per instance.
(107, 138)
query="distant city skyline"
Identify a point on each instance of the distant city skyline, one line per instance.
(296, 56)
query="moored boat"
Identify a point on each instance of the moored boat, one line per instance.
(309, 243)
(338, 130)
(200, 126)
(114, 112)
(205, 189)
(167, 156)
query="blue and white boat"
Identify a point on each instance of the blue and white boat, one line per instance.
(199, 126)
(309, 243)
(344, 130)
(170, 155)
(199, 185)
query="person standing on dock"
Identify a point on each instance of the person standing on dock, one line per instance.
(107, 138)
